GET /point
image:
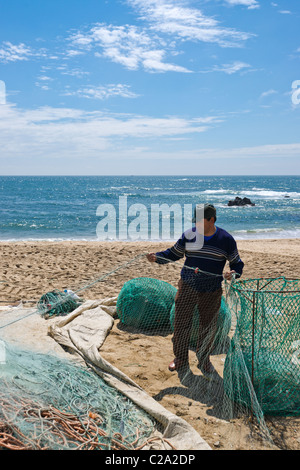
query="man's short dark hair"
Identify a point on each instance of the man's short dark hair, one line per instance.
(209, 211)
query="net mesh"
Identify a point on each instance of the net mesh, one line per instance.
(237, 344)
(267, 344)
(251, 325)
(222, 328)
(145, 303)
(50, 403)
(57, 303)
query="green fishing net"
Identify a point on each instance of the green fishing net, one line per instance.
(146, 303)
(253, 342)
(57, 303)
(223, 324)
(55, 404)
(257, 330)
(263, 363)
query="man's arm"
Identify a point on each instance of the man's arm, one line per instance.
(171, 254)
(151, 257)
(235, 262)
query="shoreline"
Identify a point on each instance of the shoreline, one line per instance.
(137, 242)
(149, 240)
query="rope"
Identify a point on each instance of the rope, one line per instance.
(195, 269)
(68, 296)
(50, 403)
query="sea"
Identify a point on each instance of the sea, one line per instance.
(91, 208)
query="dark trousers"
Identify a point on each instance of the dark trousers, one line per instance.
(186, 301)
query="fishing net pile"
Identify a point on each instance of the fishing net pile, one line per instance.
(59, 303)
(249, 329)
(51, 403)
(145, 303)
(254, 326)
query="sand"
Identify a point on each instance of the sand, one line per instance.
(30, 269)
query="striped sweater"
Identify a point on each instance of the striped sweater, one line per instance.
(210, 257)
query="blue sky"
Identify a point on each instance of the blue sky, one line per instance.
(149, 87)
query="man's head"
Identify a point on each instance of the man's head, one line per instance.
(206, 211)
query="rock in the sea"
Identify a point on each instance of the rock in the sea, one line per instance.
(238, 201)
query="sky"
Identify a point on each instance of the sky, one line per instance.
(149, 87)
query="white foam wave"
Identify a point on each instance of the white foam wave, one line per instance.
(218, 191)
(259, 192)
(251, 234)
(266, 233)
(271, 194)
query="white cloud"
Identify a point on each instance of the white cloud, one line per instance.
(232, 68)
(127, 45)
(43, 82)
(268, 93)
(73, 52)
(153, 62)
(174, 18)
(73, 133)
(165, 25)
(250, 4)
(44, 78)
(14, 52)
(269, 151)
(103, 92)
(72, 72)
(280, 151)
(97, 141)
(42, 87)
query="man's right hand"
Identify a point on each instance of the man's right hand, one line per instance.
(151, 257)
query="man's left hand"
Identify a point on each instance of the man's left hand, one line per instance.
(228, 276)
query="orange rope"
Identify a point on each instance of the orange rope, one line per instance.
(61, 427)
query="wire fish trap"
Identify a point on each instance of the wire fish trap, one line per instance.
(263, 363)
(57, 303)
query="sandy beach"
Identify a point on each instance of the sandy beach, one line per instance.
(31, 269)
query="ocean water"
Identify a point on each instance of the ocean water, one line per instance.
(72, 207)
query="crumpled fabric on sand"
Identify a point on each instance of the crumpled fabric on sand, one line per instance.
(84, 331)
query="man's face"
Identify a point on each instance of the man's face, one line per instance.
(205, 226)
(208, 224)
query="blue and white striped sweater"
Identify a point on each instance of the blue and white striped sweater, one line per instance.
(210, 257)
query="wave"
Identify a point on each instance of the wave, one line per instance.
(260, 192)
(250, 234)
(218, 191)
(265, 233)
(48, 239)
(271, 194)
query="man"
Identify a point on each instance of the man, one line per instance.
(200, 284)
